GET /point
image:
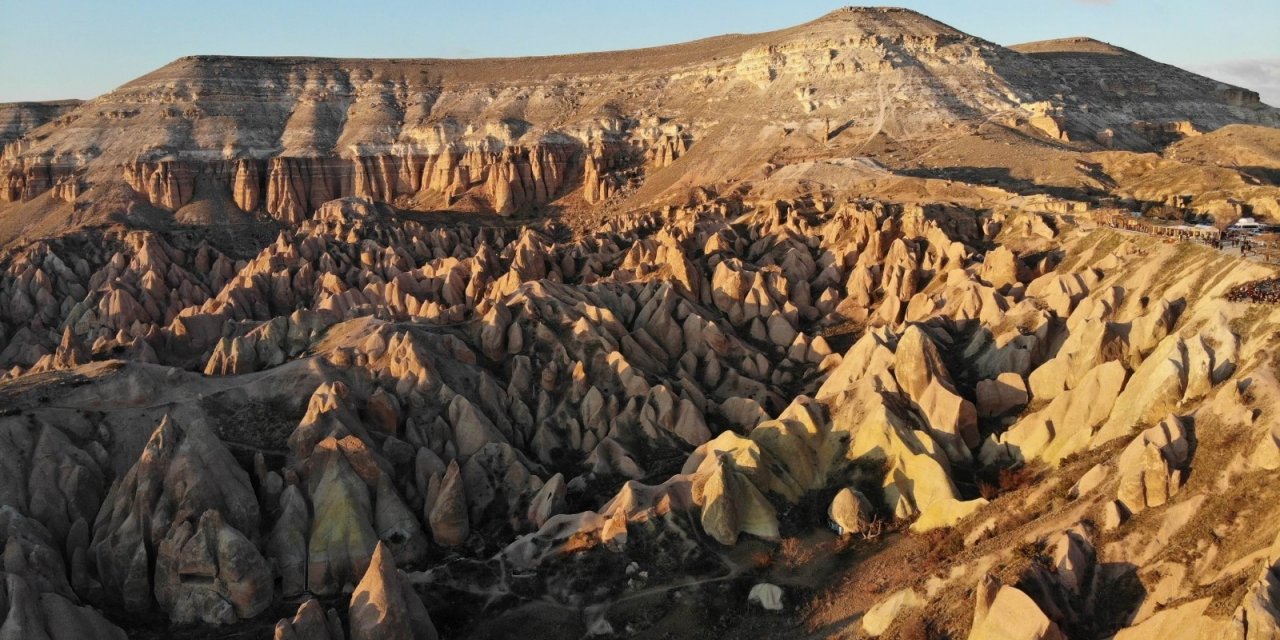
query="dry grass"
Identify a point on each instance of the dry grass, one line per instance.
(941, 546)
(1097, 243)
(1006, 479)
(950, 618)
(1227, 593)
(794, 553)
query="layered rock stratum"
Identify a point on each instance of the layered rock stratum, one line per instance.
(823, 332)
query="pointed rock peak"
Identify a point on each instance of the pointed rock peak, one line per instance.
(311, 622)
(382, 563)
(385, 606)
(449, 520)
(164, 433)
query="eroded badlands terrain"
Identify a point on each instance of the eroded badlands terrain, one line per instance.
(816, 333)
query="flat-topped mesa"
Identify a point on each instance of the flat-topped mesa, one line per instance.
(1101, 71)
(282, 135)
(17, 118)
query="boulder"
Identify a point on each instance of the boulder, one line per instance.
(850, 512)
(1006, 613)
(766, 596)
(310, 622)
(946, 513)
(878, 618)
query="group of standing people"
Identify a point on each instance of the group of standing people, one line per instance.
(1264, 291)
(1247, 242)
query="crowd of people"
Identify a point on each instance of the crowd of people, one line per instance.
(1267, 291)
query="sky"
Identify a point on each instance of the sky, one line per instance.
(81, 48)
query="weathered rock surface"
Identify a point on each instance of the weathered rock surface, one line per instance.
(384, 604)
(213, 574)
(1004, 612)
(183, 474)
(747, 320)
(310, 622)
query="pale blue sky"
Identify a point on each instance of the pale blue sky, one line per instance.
(80, 48)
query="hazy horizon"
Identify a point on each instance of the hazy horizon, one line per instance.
(80, 49)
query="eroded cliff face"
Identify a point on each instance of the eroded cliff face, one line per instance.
(17, 118)
(290, 189)
(332, 140)
(284, 135)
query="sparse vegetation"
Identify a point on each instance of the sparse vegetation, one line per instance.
(1006, 479)
(264, 424)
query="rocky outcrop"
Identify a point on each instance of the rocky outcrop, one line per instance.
(1002, 611)
(514, 138)
(384, 604)
(342, 538)
(310, 622)
(448, 514)
(39, 602)
(919, 369)
(1152, 467)
(1007, 393)
(731, 504)
(28, 180)
(298, 186)
(850, 512)
(287, 543)
(169, 185)
(1258, 615)
(1066, 425)
(184, 476)
(30, 614)
(211, 574)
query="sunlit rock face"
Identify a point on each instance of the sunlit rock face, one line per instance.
(283, 135)
(815, 331)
